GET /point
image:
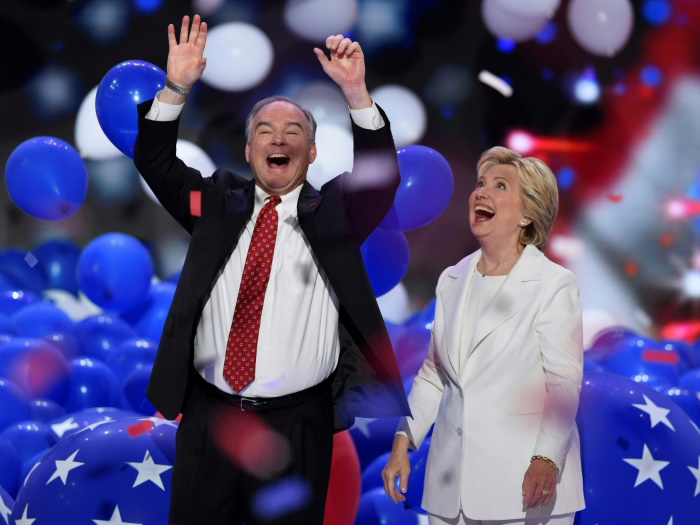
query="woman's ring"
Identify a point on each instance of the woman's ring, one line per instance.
(545, 491)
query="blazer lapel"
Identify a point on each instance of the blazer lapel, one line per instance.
(513, 295)
(239, 207)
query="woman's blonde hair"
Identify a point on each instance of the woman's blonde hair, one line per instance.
(538, 191)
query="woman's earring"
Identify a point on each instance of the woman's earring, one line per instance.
(522, 223)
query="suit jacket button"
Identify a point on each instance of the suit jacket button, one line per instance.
(461, 394)
(458, 431)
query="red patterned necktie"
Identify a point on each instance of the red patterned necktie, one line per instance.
(239, 365)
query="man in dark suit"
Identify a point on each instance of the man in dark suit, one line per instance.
(320, 354)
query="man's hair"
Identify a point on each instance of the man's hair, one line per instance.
(538, 191)
(310, 120)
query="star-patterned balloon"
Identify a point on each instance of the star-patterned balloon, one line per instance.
(640, 452)
(114, 472)
(6, 504)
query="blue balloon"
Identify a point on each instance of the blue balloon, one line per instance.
(150, 324)
(45, 410)
(135, 391)
(39, 319)
(691, 381)
(29, 438)
(376, 508)
(636, 447)
(14, 406)
(131, 355)
(10, 468)
(100, 334)
(59, 258)
(424, 316)
(67, 343)
(92, 384)
(372, 437)
(116, 469)
(115, 271)
(416, 482)
(425, 189)
(687, 400)
(372, 474)
(645, 360)
(46, 178)
(12, 301)
(68, 424)
(385, 254)
(120, 90)
(16, 265)
(6, 326)
(412, 348)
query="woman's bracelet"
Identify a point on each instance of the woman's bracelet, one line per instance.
(177, 89)
(544, 458)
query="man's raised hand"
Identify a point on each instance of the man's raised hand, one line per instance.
(346, 67)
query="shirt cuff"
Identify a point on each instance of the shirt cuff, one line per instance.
(367, 118)
(162, 112)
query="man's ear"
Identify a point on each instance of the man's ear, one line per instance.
(312, 153)
(247, 152)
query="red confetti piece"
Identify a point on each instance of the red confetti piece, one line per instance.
(196, 203)
(615, 197)
(139, 428)
(659, 356)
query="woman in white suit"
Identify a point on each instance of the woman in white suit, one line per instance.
(502, 378)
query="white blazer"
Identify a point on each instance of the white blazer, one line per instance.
(517, 396)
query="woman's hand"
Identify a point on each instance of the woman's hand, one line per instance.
(397, 466)
(539, 483)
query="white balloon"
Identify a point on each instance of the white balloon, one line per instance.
(504, 24)
(314, 20)
(326, 102)
(405, 110)
(334, 146)
(529, 8)
(90, 141)
(239, 57)
(207, 7)
(192, 155)
(601, 27)
(394, 304)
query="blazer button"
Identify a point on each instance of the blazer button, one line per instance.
(458, 431)
(461, 394)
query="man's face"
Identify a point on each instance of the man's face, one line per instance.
(279, 151)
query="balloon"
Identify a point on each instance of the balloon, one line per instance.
(91, 141)
(514, 26)
(120, 90)
(76, 307)
(115, 271)
(394, 304)
(59, 259)
(372, 475)
(405, 111)
(344, 486)
(150, 325)
(29, 438)
(239, 56)
(92, 384)
(13, 404)
(22, 275)
(100, 334)
(531, 8)
(38, 319)
(414, 494)
(68, 424)
(46, 178)
(10, 468)
(643, 356)
(45, 410)
(605, 340)
(314, 20)
(134, 387)
(385, 254)
(373, 437)
(640, 454)
(112, 472)
(687, 400)
(376, 508)
(691, 381)
(425, 189)
(412, 348)
(334, 146)
(6, 326)
(12, 301)
(601, 27)
(325, 101)
(38, 368)
(131, 355)
(66, 343)
(424, 316)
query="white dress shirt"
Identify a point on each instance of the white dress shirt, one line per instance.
(298, 344)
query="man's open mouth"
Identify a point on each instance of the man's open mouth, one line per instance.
(277, 159)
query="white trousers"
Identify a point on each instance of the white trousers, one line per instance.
(562, 519)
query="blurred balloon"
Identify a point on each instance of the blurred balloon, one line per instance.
(424, 191)
(394, 304)
(334, 146)
(239, 56)
(425, 315)
(115, 271)
(118, 93)
(372, 437)
(131, 355)
(385, 254)
(6, 503)
(372, 474)
(105, 474)
(150, 325)
(344, 487)
(10, 468)
(637, 447)
(38, 368)
(45, 410)
(376, 508)
(511, 25)
(601, 27)
(605, 339)
(412, 347)
(644, 356)
(92, 384)
(12, 301)
(100, 334)
(192, 155)
(405, 111)
(59, 259)
(325, 101)
(55, 91)
(29, 438)
(38, 319)
(314, 20)
(531, 8)
(46, 178)
(91, 141)
(6, 326)
(14, 406)
(16, 266)
(691, 380)
(134, 387)
(687, 400)
(597, 323)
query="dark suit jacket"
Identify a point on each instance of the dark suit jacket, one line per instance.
(336, 220)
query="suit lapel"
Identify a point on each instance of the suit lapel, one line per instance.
(239, 207)
(513, 295)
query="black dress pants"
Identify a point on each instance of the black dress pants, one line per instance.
(237, 462)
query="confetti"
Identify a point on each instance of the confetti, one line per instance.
(496, 83)
(614, 197)
(139, 428)
(30, 259)
(196, 203)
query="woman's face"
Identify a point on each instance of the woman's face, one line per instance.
(495, 207)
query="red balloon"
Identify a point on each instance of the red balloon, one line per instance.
(345, 486)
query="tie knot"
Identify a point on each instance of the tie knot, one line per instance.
(274, 199)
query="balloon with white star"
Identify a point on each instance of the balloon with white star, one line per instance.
(640, 454)
(6, 504)
(115, 472)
